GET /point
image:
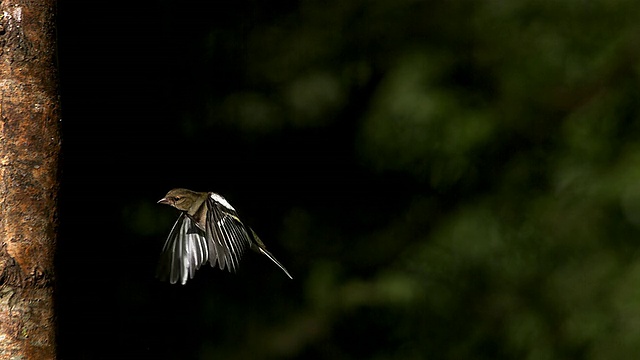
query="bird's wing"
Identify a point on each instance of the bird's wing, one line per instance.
(226, 234)
(184, 251)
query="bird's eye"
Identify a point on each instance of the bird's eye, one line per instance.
(176, 198)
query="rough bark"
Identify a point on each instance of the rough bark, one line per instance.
(29, 151)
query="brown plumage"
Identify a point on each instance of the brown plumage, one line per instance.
(208, 229)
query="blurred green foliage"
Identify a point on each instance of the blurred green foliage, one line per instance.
(499, 211)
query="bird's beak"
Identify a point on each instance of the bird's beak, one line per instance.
(164, 201)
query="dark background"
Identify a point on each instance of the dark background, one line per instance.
(451, 179)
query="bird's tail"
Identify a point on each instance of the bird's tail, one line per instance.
(259, 246)
(268, 254)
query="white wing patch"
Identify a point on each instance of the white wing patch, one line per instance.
(222, 201)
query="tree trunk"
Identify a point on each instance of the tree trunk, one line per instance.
(29, 151)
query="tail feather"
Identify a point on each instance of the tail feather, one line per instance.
(268, 254)
(258, 245)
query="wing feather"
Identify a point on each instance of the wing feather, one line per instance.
(226, 232)
(231, 253)
(214, 238)
(184, 251)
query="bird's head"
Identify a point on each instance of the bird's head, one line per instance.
(181, 199)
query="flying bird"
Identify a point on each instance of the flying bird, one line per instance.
(208, 229)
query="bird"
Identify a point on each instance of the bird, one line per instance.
(208, 229)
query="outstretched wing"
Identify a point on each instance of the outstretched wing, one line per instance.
(184, 251)
(228, 237)
(226, 234)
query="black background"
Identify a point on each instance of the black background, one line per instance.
(443, 179)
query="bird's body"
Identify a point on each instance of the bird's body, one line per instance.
(208, 229)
